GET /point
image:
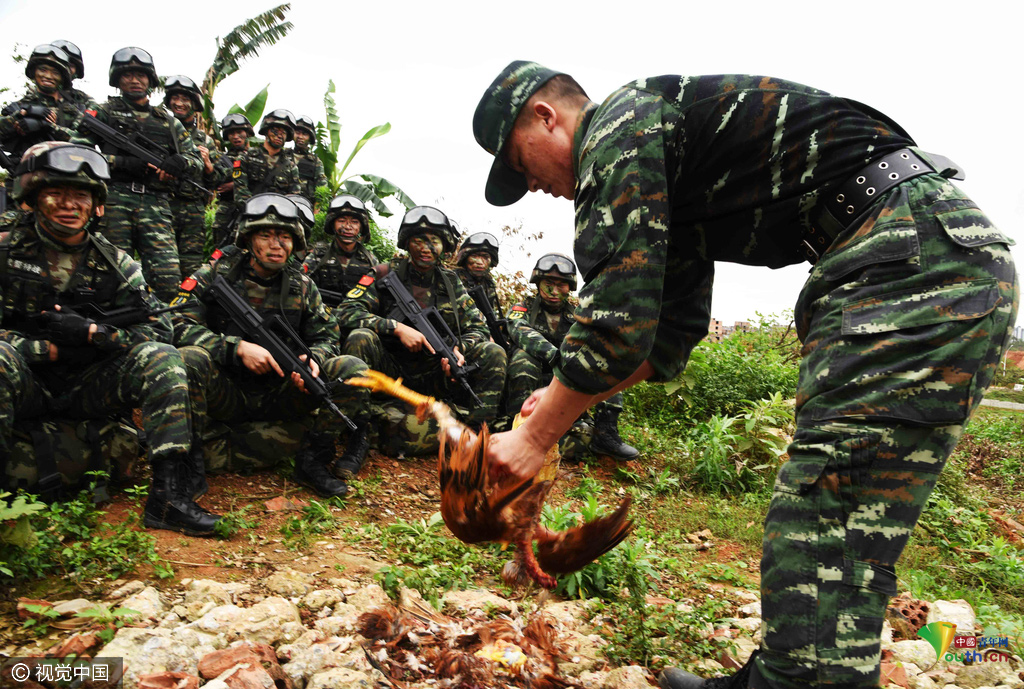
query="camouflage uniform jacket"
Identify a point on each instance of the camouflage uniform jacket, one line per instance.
(232, 158)
(68, 113)
(221, 164)
(367, 307)
(154, 122)
(335, 271)
(490, 288)
(32, 267)
(203, 323)
(257, 174)
(311, 173)
(674, 173)
(529, 330)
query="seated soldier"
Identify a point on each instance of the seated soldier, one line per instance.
(477, 256)
(53, 359)
(537, 325)
(336, 265)
(397, 349)
(234, 380)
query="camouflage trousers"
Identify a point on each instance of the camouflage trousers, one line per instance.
(150, 376)
(527, 373)
(190, 232)
(402, 433)
(234, 394)
(904, 321)
(143, 224)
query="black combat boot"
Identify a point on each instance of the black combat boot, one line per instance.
(674, 678)
(170, 505)
(606, 440)
(349, 464)
(197, 485)
(311, 464)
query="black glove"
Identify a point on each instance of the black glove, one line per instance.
(30, 125)
(174, 165)
(66, 328)
(36, 112)
(131, 165)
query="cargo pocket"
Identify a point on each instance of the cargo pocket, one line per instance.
(968, 227)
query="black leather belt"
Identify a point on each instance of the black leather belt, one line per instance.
(848, 202)
(140, 188)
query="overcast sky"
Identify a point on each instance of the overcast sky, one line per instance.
(947, 71)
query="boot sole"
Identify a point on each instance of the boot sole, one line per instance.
(313, 488)
(151, 523)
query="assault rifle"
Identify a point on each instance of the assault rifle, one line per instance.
(136, 145)
(331, 299)
(123, 317)
(494, 324)
(276, 336)
(429, 322)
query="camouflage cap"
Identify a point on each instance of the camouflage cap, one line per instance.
(494, 118)
(57, 164)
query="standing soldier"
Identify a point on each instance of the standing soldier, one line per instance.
(537, 325)
(81, 98)
(138, 217)
(386, 344)
(474, 261)
(337, 264)
(45, 113)
(904, 317)
(188, 204)
(269, 167)
(235, 130)
(233, 379)
(311, 168)
(54, 359)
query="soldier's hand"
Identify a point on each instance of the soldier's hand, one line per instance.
(257, 359)
(459, 359)
(67, 328)
(531, 402)
(226, 187)
(174, 165)
(297, 379)
(412, 339)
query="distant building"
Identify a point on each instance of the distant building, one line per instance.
(718, 331)
(715, 330)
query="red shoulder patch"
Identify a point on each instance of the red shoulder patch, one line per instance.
(366, 280)
(519, 307)
(91, 112)
(237, 163)
(217, 253)
(189, 284)
(305, 267)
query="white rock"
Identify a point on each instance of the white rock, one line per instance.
(750, 625)
(265, 622)
(219, 619)
(170, 621)
(984, 674)
(572, 614)
(216, 684)
(203, 595)
(368, 598)
(146, 651)
(748, 596)
(959, 612)
(290, 582)
(916, 679)
(148, 602)
(341, 623)
(465, 602)
(750, 610)
(69, 608)
(307, 662)
(340, 678)
(321, 598)
(132, 587)
(917, 651)
(628, 677)
(583, 650)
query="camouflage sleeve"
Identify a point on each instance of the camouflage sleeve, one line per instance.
(319, 330)
(622, 246)
(472, 322)
(359, 310)
(294, 181)
(241, 178)
(31, 349)
(190, 321)
(187, 147)
(321, 176)
(80, 136)
(526, 337)
(222, 167)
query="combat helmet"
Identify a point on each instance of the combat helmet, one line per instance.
(74, 56)
(280, 117)
(179, 83)
(59, 163)
(478, 241)
(421, 219)
(306, 123)
(306, 212)
(346, 204)
(235, 120)
(51, 55)
(132, 58)
(268, 210)
(555, 267)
